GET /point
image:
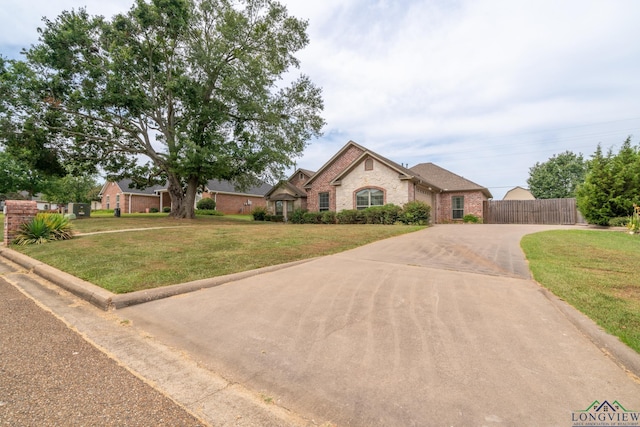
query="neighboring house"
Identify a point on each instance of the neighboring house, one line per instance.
(229, 199)
(232, 200)
(132, 200)
(518, 193)
(357, 178)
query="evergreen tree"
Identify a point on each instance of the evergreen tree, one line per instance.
(612, 185)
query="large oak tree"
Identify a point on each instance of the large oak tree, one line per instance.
(177, 90)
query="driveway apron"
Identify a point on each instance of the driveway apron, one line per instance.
(439, 327)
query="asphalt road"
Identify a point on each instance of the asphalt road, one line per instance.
(51, 376)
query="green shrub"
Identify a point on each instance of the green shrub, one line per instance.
(206, 203)
(387, 214)
(620, 221)
(328, 217)
(153, 210)
(312, 217)
(415, 213)
(470, 218)
(209, 212)
(44, 227)
(350, 216)
(259, 213)
(297, 216)
(166, 209)
(274, 218)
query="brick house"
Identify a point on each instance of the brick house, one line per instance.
(229, 199)
(357, 178)
(232, 200)
(132, 200)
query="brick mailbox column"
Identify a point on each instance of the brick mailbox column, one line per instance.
(17, 213)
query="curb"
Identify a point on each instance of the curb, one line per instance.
(106, 300)
(621, 354)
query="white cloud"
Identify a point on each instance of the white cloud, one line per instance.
(483, 87)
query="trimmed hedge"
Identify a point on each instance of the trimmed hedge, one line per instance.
(208, 212)
(206, 203)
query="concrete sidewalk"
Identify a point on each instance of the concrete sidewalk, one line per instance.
(438, 327)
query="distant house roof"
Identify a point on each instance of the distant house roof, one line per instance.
(218, 186)
(518, 193)
(214, 186)
(446, 180)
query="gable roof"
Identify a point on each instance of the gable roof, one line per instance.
(288, 186)
(332, 159)
(446, 180)
(219, 186)
(403, 173)
(517, 189)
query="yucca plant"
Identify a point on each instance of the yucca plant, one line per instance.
(44, 227)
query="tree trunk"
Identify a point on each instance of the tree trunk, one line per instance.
(182, 200)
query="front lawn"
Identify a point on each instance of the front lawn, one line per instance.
(596, 272)
(192, 249)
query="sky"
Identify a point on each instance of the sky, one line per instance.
(483, 88)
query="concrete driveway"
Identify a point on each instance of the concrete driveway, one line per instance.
(439, 327)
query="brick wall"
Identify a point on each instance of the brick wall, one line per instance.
(299, 179)
(472, 204)
(321, 181)
(139, 203)
(18, 212)
(236, 203)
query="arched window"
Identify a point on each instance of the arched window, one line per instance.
(369, 197)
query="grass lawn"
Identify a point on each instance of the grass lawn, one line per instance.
(597, 272)
(207, 246)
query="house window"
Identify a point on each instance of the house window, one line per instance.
(368, 164)
(457, 206)
(301, 176)
(117, 200)
(323, 201)
(108, 202)
(369, 197)
(279, 210)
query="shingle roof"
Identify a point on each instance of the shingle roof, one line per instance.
(446, 180)
(285, 185)
(216, 185)
(124, 186)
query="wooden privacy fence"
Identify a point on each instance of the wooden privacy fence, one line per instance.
(544, 211)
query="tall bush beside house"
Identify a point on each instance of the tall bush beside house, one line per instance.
(259, 213)
(206, 203)
(415, 213)
(297, 216)
(44, 227)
